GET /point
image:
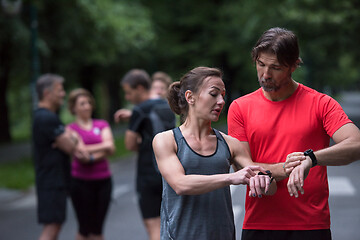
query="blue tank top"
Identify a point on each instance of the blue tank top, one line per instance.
(207, 216)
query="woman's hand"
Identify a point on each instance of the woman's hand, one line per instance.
(244, 175)
(259, 185)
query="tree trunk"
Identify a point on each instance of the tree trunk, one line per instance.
(5, 65)
(115, 100)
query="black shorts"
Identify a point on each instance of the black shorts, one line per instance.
(91, 200)
(321, 234)
(51, 205)
(149, 193)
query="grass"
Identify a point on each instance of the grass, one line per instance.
(20, 174)
(121, 151)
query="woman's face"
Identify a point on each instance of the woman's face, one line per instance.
(159, 88)
(209, 101)
(83, 107)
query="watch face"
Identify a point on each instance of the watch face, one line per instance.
(307, 152)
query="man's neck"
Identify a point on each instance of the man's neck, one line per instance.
(144, 97)
(47, 105)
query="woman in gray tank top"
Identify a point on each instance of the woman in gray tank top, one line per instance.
(194, 160)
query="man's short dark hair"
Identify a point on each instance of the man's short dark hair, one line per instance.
(46, 81)
(137, 77)
(281, 42)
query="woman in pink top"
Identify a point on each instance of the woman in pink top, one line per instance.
(91, 184)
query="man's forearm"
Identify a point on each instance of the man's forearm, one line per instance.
(339, 154)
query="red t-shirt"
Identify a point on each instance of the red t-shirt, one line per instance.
(305, 120)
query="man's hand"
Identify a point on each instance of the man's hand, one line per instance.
(122, 115)
(81, 153)
(297, 177)
(292, 160)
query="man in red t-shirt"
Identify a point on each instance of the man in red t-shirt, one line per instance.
(282, 122)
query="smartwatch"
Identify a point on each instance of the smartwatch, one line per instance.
(268, 173)
(311, 154)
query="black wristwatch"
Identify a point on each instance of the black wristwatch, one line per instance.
(267, 172)
(311, 154)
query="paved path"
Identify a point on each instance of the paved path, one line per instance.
(12, 152)
(18, 214)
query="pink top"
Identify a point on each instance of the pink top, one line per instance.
(99, 169)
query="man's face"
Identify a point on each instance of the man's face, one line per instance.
(272, 76)
(57, 95)
(132, 94)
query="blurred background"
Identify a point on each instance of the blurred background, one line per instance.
(93, 43)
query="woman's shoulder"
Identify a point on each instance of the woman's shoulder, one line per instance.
(165, 135)
(72, 125)
(101, 123)
(229, 139)
(224, 135)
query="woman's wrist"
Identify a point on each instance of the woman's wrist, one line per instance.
(91, 158)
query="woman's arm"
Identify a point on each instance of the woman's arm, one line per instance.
(241, 157)
(104, 149)
(107, 144)
(173, 172)
(277, 169)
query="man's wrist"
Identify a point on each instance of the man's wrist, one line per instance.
(74, 138)
(311, 155)
(308, 162)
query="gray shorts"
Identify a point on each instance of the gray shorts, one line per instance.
(51, 205)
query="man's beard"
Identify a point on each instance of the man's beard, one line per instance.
(268, 85)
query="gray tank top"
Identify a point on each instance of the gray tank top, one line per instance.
(207, 216)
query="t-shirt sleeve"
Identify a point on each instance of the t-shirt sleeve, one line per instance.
(333, 116)
(235, 121)
(100, 123)
(136, 118)
(53, 127)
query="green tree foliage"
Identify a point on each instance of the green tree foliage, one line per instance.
(94, 42)
(327, 30)
(222, 34)
(81, 40)
(14, 40)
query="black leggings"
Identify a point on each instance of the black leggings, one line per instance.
(91, 199)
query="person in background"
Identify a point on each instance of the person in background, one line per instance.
(159, 85)
(52, 146)
(91, 182)
(285, 122)
(160, 82)
(195, 159)
(138, 137)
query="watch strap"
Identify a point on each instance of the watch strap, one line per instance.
(312, 156)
